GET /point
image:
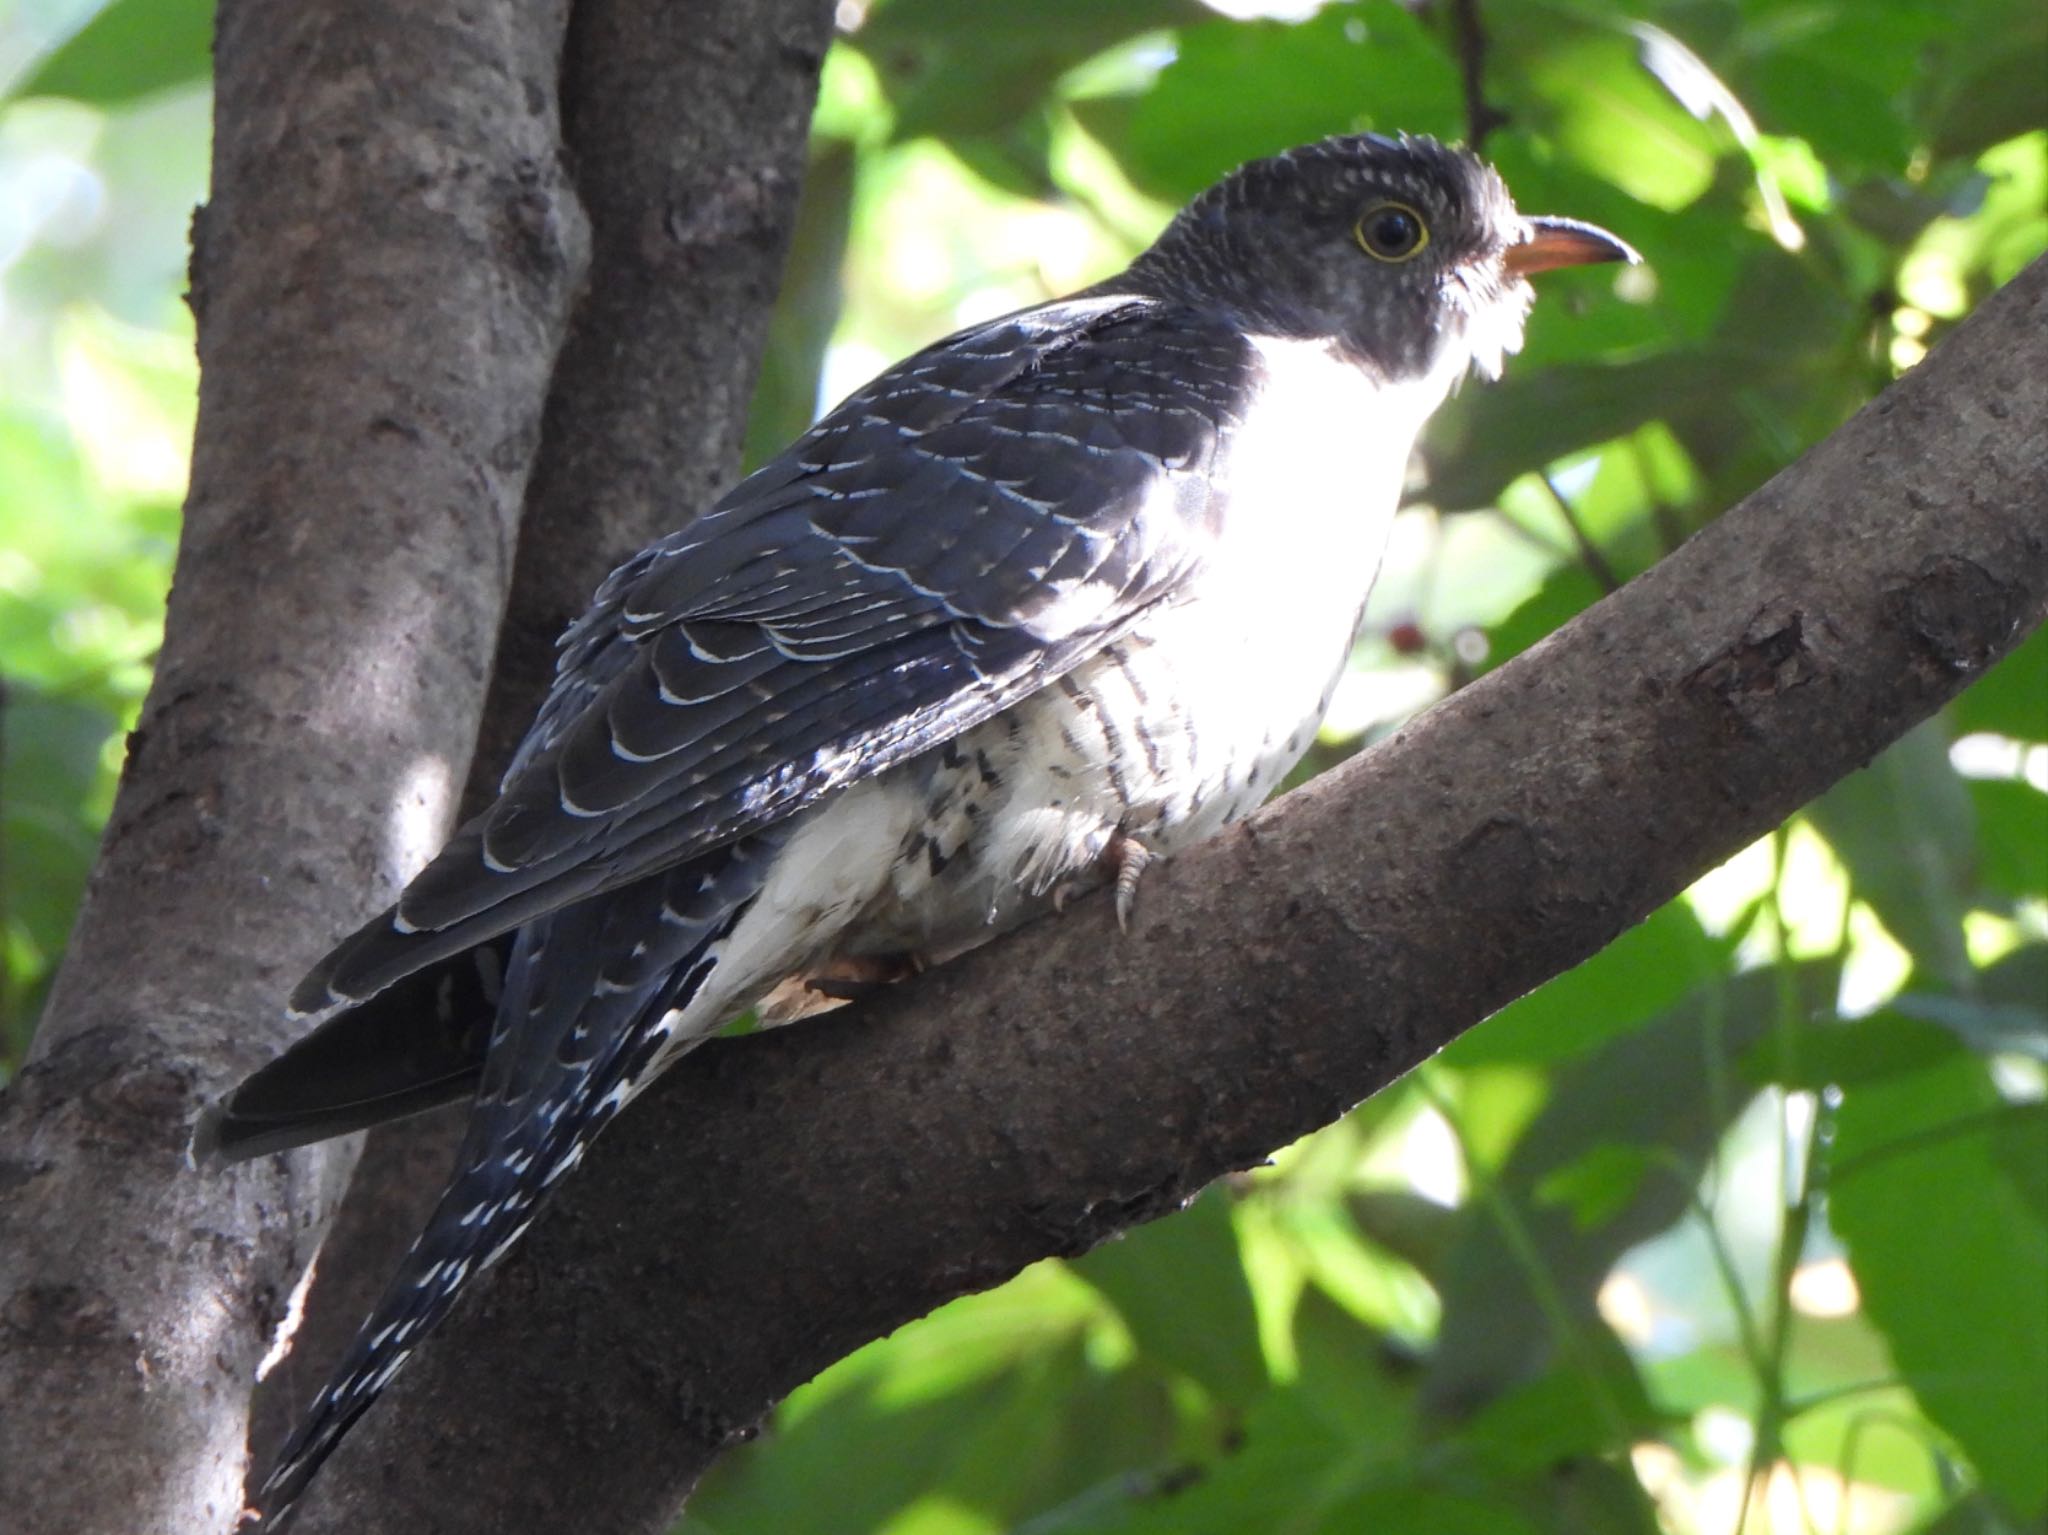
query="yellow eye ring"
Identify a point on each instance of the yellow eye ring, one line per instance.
(1391, 231)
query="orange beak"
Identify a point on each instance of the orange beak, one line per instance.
(1555, 242)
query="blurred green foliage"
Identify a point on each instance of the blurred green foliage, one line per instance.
(1742, 1225)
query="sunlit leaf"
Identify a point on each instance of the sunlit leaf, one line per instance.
(1647, 969)
(966, 71)
(1520, 1286)
(1180, 1288)
(2012, 698)
(49, 822)
(1534, 417)
(1411, 1227)
(2012, 836)
(807, 309)
(1904, 828)
(1302, 1452)
(1598, 1186)
(1951, 1256)
(1239, 90)
(1986, 84)
(1565, 593)
(131, 48)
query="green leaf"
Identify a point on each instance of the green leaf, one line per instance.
(1520, 1286)
(2020, 1143)
(965, 72)
(2017, 979)
(1903, 826)
(1984, 84)
(807, 309)
(1302, 1450)
(1415, 1505)
(1583, 87)
(1412, 1228)
(1971, 1514)
(1983, 1026)
(1951, 1256)
(1817, 93)
(1565, 1414)
(1836, 1052)
(2012, 836)
(2012, 698)
(1346, 1374)
(990, 1403)
(1647, 969)
(1180, 1287)
(1585, 1496)
(1237, 90)
(132, 48)
(1565, 593)
(1487, 438)
(1597, 1186)
(49, 830)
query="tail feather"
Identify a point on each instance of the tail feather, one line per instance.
(589, 997)
(413, 1046)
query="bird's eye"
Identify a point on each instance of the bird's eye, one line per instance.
(1391, 232)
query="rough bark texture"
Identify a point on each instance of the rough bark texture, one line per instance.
(779, 1200)
(368, 412)
(685, 129)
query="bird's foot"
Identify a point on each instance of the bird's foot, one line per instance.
(1124, 854)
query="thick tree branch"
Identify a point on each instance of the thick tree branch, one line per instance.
(360, 460)
(780, 1200)
(686, 128)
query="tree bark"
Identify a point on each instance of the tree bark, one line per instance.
(687, 128)
(368, 412)
(779, 1200)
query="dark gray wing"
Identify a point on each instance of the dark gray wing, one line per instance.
(971, 525)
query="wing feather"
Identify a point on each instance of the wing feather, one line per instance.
(969, 527)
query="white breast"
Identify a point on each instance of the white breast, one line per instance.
(1192, 719)
(1183, 725)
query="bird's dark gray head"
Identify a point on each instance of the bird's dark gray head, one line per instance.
(1405, 253)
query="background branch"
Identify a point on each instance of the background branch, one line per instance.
(782, 1199)
(1481, 116)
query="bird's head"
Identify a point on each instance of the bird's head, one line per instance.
(1405, 253)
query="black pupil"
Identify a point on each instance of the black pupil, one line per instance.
(1394, 232)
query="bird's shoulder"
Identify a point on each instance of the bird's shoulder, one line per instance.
(981, 479)
(1062, 411)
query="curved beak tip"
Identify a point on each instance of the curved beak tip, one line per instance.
(1561, 242)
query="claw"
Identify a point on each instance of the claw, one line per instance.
(1132, 857)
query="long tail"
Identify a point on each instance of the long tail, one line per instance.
(588, 1001)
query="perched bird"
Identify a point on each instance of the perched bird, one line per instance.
(1064, 591)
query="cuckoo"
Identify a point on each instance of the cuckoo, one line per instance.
(1063, 592)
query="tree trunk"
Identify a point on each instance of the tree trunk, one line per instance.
(687, 126)
(383, 279)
